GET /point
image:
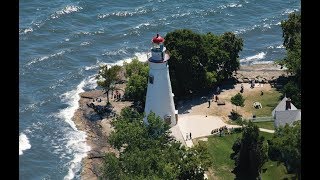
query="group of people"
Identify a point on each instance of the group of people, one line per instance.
(220, 130)
(116, 96)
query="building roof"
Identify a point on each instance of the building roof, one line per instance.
(282, 106)
(286, 117)
(158, 39)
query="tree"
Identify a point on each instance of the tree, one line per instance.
(249, 153)
(198, 61)
(232, 45)
(291, 31)
(150, 152)
(136, 67)
(107, 77)
(292, 91)
(187, 61)
(136, 88)
(285, 146)
(237, 100)
(292, 41)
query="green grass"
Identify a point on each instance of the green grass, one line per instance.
(265, 125)
(220, 149)
(274, 170)
(269, 100)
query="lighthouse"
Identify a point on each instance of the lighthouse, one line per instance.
(159, 97)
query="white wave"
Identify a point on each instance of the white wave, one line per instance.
(66, 10)
(33, 127)
(263, 62)
(256, 57)
(288, 11)
(230, 5)
(92, 82)
(137, 11)
(278, 23)
(24, 143)
(25, 31)
(180, 15)
(30, 107)
(141, 25)
(83, 32)
(77, 145)
(85, 43)
(76, 139)
(143, 57)
(114, 53)
(67, 39)
(280, 46)
(267, 26)
(47, 57)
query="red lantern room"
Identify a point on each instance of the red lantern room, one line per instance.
(157, 42)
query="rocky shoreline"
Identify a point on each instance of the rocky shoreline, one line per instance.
(98, 128)
(261, 73)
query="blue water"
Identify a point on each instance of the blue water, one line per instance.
(62, 43)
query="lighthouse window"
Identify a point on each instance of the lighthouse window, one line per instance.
(151, 79)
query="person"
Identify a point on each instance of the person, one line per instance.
(209, 102)
(190, 136)
(218, 90)
(261, 93)
(241, 90)
(217, 98)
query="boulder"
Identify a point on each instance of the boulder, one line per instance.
(239, 80)
(246, 80)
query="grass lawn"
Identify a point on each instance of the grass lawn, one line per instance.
(269, 100)
(220, 149)
(274, 170)
(266, 125)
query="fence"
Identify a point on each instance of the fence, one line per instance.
(261, 119)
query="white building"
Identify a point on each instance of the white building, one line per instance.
(159, 97)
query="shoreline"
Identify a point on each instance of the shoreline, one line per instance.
(98, 130)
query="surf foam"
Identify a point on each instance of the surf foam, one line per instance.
(76, 139)
(256, 57)
(24, 143)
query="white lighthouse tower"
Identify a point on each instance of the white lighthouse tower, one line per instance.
(159, 94)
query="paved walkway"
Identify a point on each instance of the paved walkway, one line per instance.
(199, 126)
(266, 130)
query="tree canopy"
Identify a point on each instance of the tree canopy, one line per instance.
(292, 41)
(249, 153)
(285, 146)
(150, 152)
(136, 88)
(107, 77)
(198, 61)
(237, 100)
(291, 29)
